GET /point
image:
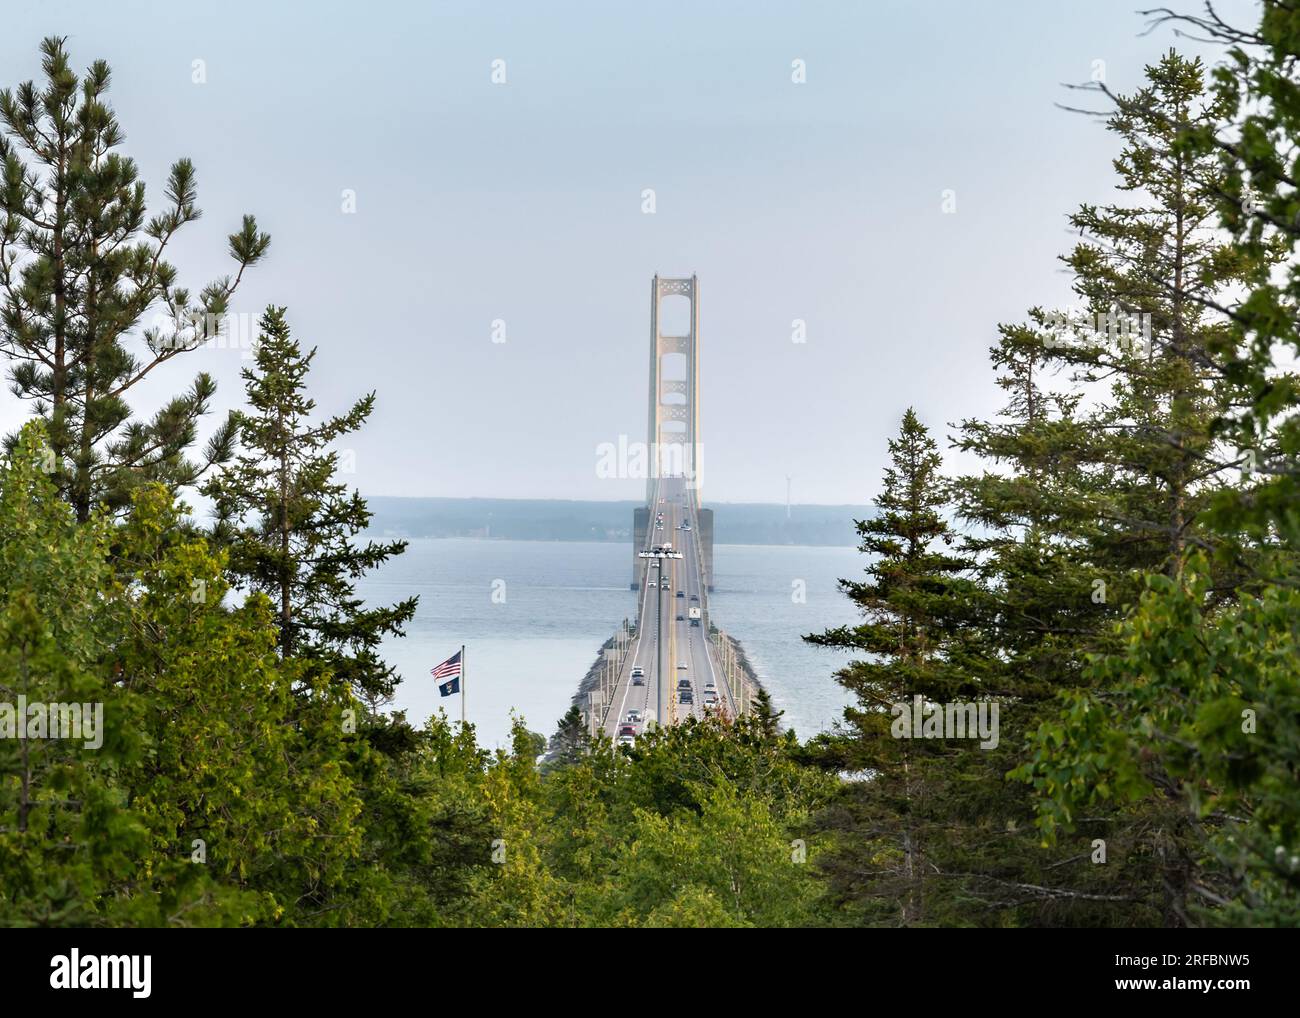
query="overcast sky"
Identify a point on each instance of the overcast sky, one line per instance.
(522, 202)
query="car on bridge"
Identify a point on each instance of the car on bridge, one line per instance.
(681, 593)
(685, 696)
(681, 618)
(663, 585)
(627, 730)
(633, 717)
(627, 740)
(683, 683)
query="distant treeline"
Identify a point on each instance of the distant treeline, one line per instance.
(526, 519)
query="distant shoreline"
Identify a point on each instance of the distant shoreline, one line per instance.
(616, 502)
(560, 520)
(397, 535)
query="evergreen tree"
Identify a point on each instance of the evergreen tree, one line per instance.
(767, 717)
(1038, 603)
(915, 646)
(1117, 478)
(246, 752)
(1113, 475)
(1258, 203)
(289, 523)
(571, 741)
(1176, 731)
(81, 263)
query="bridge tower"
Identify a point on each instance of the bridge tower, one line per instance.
(673, 425)
(673, 430)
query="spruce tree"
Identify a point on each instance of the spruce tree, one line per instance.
(766, 717)
(1042, 606)
(81, 263)
(1114, 478)
(1257, 199)
(289, 523)
(913, 646)
(570, 743)
(1112, 435)
(1169, 731)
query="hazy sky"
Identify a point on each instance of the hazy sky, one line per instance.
(522, 202)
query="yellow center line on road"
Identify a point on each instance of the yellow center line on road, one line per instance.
(672, 628)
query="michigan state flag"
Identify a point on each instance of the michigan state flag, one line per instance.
(450, 671)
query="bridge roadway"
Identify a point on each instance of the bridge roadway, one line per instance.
(684, 644)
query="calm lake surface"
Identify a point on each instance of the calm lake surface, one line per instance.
(556, 602)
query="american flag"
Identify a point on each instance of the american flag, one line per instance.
(449, 668)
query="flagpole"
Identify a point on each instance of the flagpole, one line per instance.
(462, 687)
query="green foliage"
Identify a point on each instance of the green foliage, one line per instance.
(234, 758)
(1201, 713)
(217, 794)
(1111, 459)
(1259, 206)
(1125, 589)
(81, 263)
(289, 524)
(916, 644)
(64, 830)
(730, 864)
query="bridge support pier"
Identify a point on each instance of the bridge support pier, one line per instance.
(640, 531)
(704, 539)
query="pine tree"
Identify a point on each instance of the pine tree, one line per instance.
(1038, 604)
(290, 524)
(81, 263)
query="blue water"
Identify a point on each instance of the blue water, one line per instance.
(533, 614)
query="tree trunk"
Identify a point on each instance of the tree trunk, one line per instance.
(286, 609)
